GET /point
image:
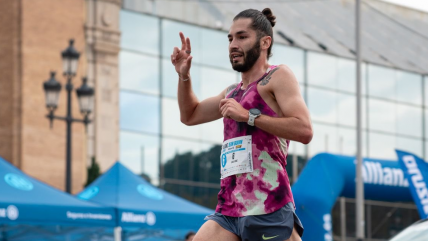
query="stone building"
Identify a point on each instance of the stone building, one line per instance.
(125, 47)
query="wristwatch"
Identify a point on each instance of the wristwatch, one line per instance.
(253, 114)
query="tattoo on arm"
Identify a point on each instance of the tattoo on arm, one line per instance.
(230, 89)
(266, 79)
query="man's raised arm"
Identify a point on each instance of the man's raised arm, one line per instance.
(192, 112)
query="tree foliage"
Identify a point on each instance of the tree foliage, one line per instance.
(93, 172)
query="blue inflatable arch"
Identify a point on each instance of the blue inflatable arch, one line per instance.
(327, 177)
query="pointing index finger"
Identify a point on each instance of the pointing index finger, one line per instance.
(183, 41)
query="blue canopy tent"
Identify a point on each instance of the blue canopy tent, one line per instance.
(30, 208)
(143, 209)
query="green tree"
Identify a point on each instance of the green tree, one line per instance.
(198, 167)
(146, 177)
(93, 172)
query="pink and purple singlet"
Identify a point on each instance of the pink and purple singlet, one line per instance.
(267, 188)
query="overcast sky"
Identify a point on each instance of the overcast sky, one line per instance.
(416, 4)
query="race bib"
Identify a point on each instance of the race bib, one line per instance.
(236, 156)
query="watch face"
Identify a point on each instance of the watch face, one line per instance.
(255, 111)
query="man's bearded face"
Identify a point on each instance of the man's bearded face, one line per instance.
(244, 61)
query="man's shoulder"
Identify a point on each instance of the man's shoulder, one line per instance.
(231, 88)
(283, 69)
(278, 75)
(283, 73)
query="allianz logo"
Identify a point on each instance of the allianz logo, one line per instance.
(11, 212)
(130, 217)
(374, 173)
(417, 181)
(327, 227)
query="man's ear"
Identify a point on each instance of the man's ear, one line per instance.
(266, 41)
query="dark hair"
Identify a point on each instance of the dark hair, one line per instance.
(189, 234)
(263, 23)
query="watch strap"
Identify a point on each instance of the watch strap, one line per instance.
(252, 118)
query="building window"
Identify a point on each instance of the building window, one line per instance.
(346, 107)
(346, 76)
(426, 90)
(322, 105)
(409, 120)
(140, 153)
(382, 116)
(139, 32)
(215, 48)
(139, 112)
(381, 82)
(322, 70)
(171, 123)
(409, 88)
(410, 144)
(214, 81)
(382, 146)
(171, 39)
(139, 72)
(292, 57)
(325, 139)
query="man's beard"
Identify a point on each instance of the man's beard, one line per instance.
(251, 56)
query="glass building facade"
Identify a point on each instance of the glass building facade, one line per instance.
(185, 160)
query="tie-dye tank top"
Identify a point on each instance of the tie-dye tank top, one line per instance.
(267, 188)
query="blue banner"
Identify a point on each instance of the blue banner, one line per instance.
(416, 171)
(327, 177)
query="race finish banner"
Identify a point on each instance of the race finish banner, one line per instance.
(416, 171)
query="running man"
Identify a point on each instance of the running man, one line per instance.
(261, 115)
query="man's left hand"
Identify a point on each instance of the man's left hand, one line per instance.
(230, 108)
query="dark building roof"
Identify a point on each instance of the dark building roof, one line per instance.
(392, 35)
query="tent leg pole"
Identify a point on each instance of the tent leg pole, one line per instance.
(343, 219)
(3, 233)
(118, 234)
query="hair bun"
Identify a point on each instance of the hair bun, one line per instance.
(269, 15)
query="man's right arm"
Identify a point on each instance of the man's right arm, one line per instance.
(193, 112)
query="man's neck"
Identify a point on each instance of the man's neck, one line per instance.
(257, 71)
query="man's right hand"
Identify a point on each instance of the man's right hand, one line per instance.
(181, 59)
(192, 111)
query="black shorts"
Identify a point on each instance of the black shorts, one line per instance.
(276, 226)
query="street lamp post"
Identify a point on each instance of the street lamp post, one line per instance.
(359, 195)
(85, 94)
